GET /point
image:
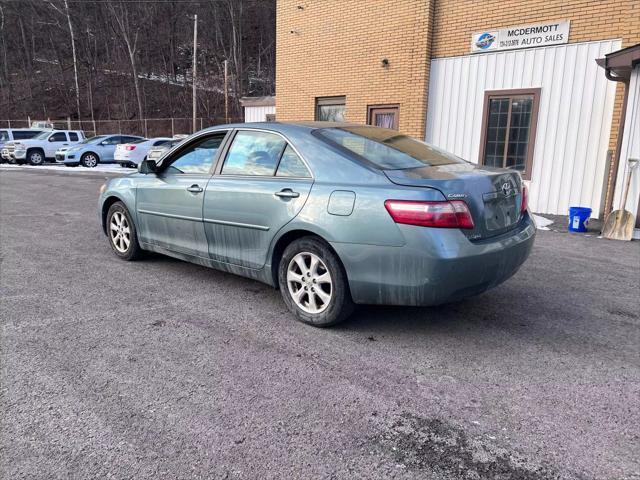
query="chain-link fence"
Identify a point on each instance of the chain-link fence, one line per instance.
(148, 127)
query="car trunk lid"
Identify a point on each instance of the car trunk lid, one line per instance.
(493, 195)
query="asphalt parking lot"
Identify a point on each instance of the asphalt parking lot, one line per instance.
(164, 369)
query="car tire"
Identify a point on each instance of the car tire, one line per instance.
(35, 157)
(122, 233)
(313, 283)
(89, 160)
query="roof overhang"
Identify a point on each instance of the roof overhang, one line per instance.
(268, 101)
(618, 65)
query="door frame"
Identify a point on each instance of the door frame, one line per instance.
(389, 107)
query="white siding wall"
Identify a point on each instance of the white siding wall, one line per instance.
(630, 147)
(574, 119)
(257, 114)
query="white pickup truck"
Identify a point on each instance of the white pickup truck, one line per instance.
(42, 147)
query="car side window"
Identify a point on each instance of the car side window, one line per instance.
(291, 165)
(197, 157)
(58, 137)
(23, 135)
(111, 141)
(253, 153)
(73, 136)
(161, 142)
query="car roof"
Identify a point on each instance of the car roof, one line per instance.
(22, 129)
(284, 127)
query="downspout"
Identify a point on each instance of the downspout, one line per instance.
(613, 169)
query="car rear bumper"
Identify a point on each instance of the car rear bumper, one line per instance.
(435, 266)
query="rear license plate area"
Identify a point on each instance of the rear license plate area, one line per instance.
(500, 211)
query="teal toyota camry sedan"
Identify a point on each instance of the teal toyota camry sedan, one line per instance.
(332, 214)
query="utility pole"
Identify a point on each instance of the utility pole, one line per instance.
(226, 92)
(195, 64)
(75, 58)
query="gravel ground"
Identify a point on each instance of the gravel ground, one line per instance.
(163, 369)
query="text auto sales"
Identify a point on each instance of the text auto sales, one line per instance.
(528, 40)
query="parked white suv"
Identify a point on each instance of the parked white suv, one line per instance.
(10, 134)
(43, 146)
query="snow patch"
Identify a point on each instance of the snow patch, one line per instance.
(542, 223)
(113, 168)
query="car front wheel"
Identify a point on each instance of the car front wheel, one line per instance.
(36, 157)
(313, 283)
(122, 233)
(89, 160)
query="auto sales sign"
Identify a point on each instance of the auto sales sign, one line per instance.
(525, 36)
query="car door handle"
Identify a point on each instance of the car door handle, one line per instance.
(287, 193)
(194, 188)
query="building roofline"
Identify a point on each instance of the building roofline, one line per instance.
(266, 101)
(620, 63)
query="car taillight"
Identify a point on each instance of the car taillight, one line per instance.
(130, 147)
(444, 214)
(524, 201)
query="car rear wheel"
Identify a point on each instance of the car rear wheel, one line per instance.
(35, 157)
(122, 233)
(313, 283)
(89, 160)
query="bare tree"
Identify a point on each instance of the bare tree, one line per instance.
(126, 59)
(129, 34)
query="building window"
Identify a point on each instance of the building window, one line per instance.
(509, 129)
(385, 116)
(330, 109)
(270, 117)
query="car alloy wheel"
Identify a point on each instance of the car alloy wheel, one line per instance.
(309, 282)
(36, 158)
(119, 232)
(89, 160)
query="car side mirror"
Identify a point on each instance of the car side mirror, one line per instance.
(148, 166)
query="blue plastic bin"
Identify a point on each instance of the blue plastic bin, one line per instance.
(578, 218)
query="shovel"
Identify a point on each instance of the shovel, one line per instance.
(619, 223)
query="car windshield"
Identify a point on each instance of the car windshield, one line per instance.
(96, 139)
(4, 135)
(387, 149)
(42, 135)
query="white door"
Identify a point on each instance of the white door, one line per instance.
(54, 142)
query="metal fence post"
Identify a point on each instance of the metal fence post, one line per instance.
(173, 132)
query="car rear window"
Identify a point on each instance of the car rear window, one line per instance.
(385, 148)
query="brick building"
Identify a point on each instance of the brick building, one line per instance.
(512, 84)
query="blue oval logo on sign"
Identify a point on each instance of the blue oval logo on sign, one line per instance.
(485, 41)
